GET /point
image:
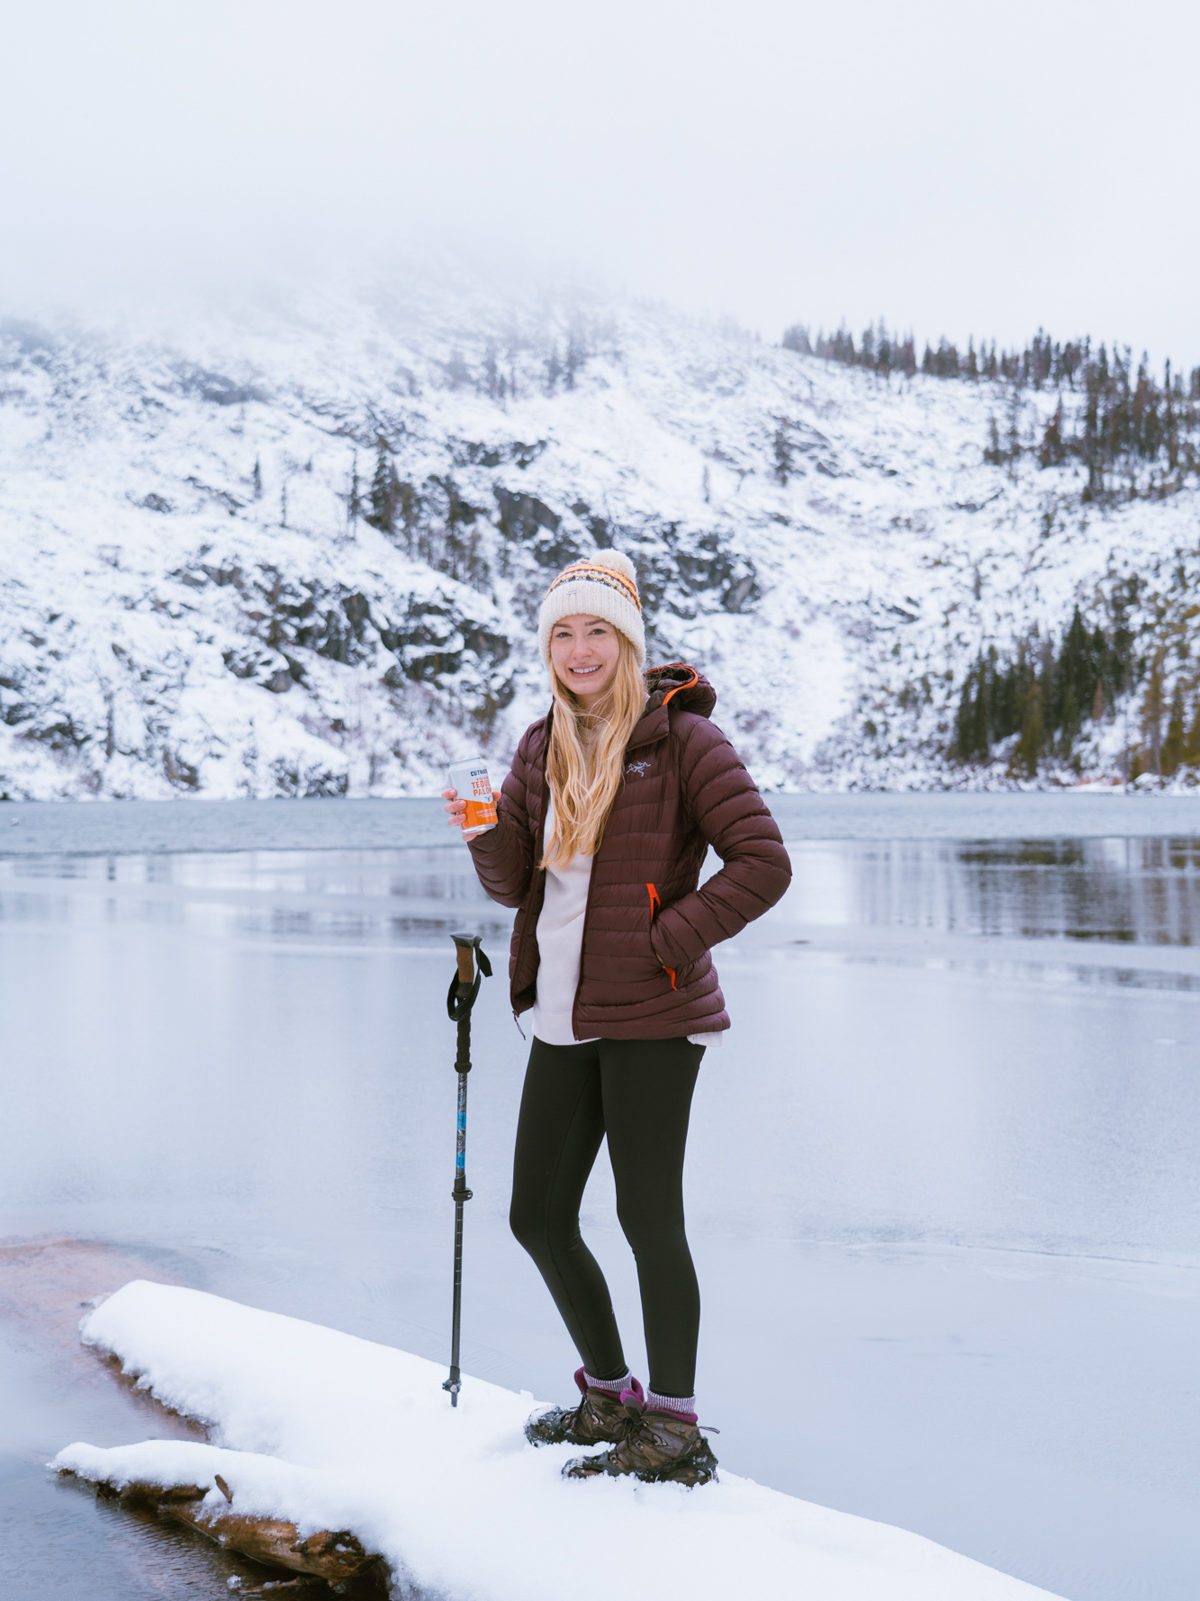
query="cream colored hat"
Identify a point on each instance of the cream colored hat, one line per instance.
(602, 585)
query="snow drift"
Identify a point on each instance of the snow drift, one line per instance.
(333, 1432)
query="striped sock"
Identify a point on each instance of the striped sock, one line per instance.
(686, 1404)
(615, 1386)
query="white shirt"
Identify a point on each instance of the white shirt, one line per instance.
(559, 936)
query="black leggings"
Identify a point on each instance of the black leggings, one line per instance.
(637, 1093)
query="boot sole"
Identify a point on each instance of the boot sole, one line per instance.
(700, 1468)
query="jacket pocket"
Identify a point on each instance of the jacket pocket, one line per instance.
(655, 908)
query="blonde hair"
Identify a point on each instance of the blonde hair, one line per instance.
(586, 759)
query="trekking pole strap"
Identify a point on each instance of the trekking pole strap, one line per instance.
(460, 997)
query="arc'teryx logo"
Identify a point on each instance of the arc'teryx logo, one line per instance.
(637, 768)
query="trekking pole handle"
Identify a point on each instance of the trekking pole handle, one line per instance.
(464, 951)
(464, 986)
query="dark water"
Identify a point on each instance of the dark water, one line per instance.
(942, 1173)
(124, 827)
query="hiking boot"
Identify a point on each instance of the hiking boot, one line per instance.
(657, 1447)
(599, 1419)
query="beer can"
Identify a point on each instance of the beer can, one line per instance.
(469, 777)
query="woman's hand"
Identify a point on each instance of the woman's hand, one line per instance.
(456, 810)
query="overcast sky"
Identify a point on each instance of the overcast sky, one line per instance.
(946, 164)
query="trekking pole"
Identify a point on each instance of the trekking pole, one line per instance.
(464, 987)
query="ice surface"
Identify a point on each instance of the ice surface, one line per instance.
(330, 1431)
(943, 1177)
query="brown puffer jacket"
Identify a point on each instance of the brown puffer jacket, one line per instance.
(645, 969)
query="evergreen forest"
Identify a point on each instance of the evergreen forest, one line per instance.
(1033, 704)
(1131, 433)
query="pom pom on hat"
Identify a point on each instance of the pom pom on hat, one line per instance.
(601, 585)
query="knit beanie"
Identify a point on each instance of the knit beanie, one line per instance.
(602, 585)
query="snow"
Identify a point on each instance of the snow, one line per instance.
(330, 1431)
(137, 647)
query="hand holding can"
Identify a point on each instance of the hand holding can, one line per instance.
(455, 808)
(472, 803)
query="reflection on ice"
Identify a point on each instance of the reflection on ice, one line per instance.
(1139, 890)
(1106, 891)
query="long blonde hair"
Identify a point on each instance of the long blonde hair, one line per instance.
(586, 759)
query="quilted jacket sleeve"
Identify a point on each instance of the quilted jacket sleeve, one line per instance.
(503, 857)
(733, 818)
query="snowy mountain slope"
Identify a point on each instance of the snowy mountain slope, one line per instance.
(333, 1432)
(193, 597)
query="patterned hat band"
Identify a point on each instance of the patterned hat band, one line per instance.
(587, 572)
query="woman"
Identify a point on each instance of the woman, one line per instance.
(613, 799)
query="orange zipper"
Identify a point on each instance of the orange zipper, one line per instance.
(655, 907)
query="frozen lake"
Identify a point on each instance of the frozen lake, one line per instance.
(942, 1185)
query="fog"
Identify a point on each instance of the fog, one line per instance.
(946, 165)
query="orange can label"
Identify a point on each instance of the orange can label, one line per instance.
(474, 785)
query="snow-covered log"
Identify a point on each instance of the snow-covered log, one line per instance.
(323, 1432)
(212, 1509)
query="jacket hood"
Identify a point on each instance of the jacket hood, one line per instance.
(683, 686)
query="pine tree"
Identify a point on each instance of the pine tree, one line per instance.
(1013, 439)
(1071, 679)
(354, 500)
(384, 494)
(972, 723)
(993, 451)
(783, 455)
(1033, 729)
(1098, 703)
(1175, 742)
(1152, 711)
(1053, 451)
(256, 479)
(491, 373)
(576, 356)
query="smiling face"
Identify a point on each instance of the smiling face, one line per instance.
(583, 653)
